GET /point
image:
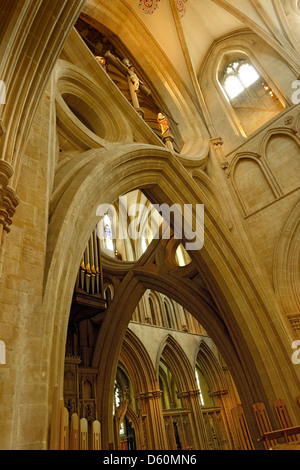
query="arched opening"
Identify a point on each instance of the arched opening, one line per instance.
(250, 95)
(282, 154)
(123, 399)
(252, 185)
(134, 285)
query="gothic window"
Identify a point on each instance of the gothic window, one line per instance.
(206, 399)
(238, 76)
(250, 95)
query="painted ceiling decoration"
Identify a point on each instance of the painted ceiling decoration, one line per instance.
(181, 7)
(150, 6)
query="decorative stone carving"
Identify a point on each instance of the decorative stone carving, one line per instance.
(289, 120)
(189, 394)
(217, 142)
(225, 167)
(295, 322)
(8, 198)
(219, 393)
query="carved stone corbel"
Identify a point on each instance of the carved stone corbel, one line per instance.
(8, 198)
(217, 142)
(225, 167)
(9, 203)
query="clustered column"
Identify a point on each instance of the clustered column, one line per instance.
(153, 423)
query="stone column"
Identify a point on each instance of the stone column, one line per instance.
(222, 402)
(153, 422)
(191, 401)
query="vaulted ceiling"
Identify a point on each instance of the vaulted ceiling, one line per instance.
(186, 29)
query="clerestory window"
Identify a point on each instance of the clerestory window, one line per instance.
(238, 76)
(251, 97)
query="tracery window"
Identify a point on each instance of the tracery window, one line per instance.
(238, 76)
(249, 92)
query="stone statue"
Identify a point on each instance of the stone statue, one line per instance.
(132, 75)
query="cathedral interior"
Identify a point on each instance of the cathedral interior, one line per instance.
(117, 332)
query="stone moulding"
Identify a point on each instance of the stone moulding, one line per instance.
(8, 198)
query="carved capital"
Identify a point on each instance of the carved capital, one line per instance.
(6, 172)
(149, 395)
(189, 394)
(220, 393)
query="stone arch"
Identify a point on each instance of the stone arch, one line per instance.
(178, 363)
(138, 363)
(225, 118)
(235, 283)
(136, 424)
(154, 298)
(280, 149)
(168, 313)
(18, 29)
(211, 367)
(179, 293)
(288, 12)
(145, 383)
(195, 144)
(84, 111)
(109, 292)
(87, 389)
(247, 188)
(286, 274)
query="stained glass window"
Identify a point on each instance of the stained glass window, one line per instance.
(108, 240)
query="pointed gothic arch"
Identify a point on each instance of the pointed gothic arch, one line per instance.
(178, 363)
(211, 367)
(138, 363)
(229, 271)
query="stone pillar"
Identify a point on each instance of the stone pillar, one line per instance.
(222, 401)
(153, 422)
(191, 401)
